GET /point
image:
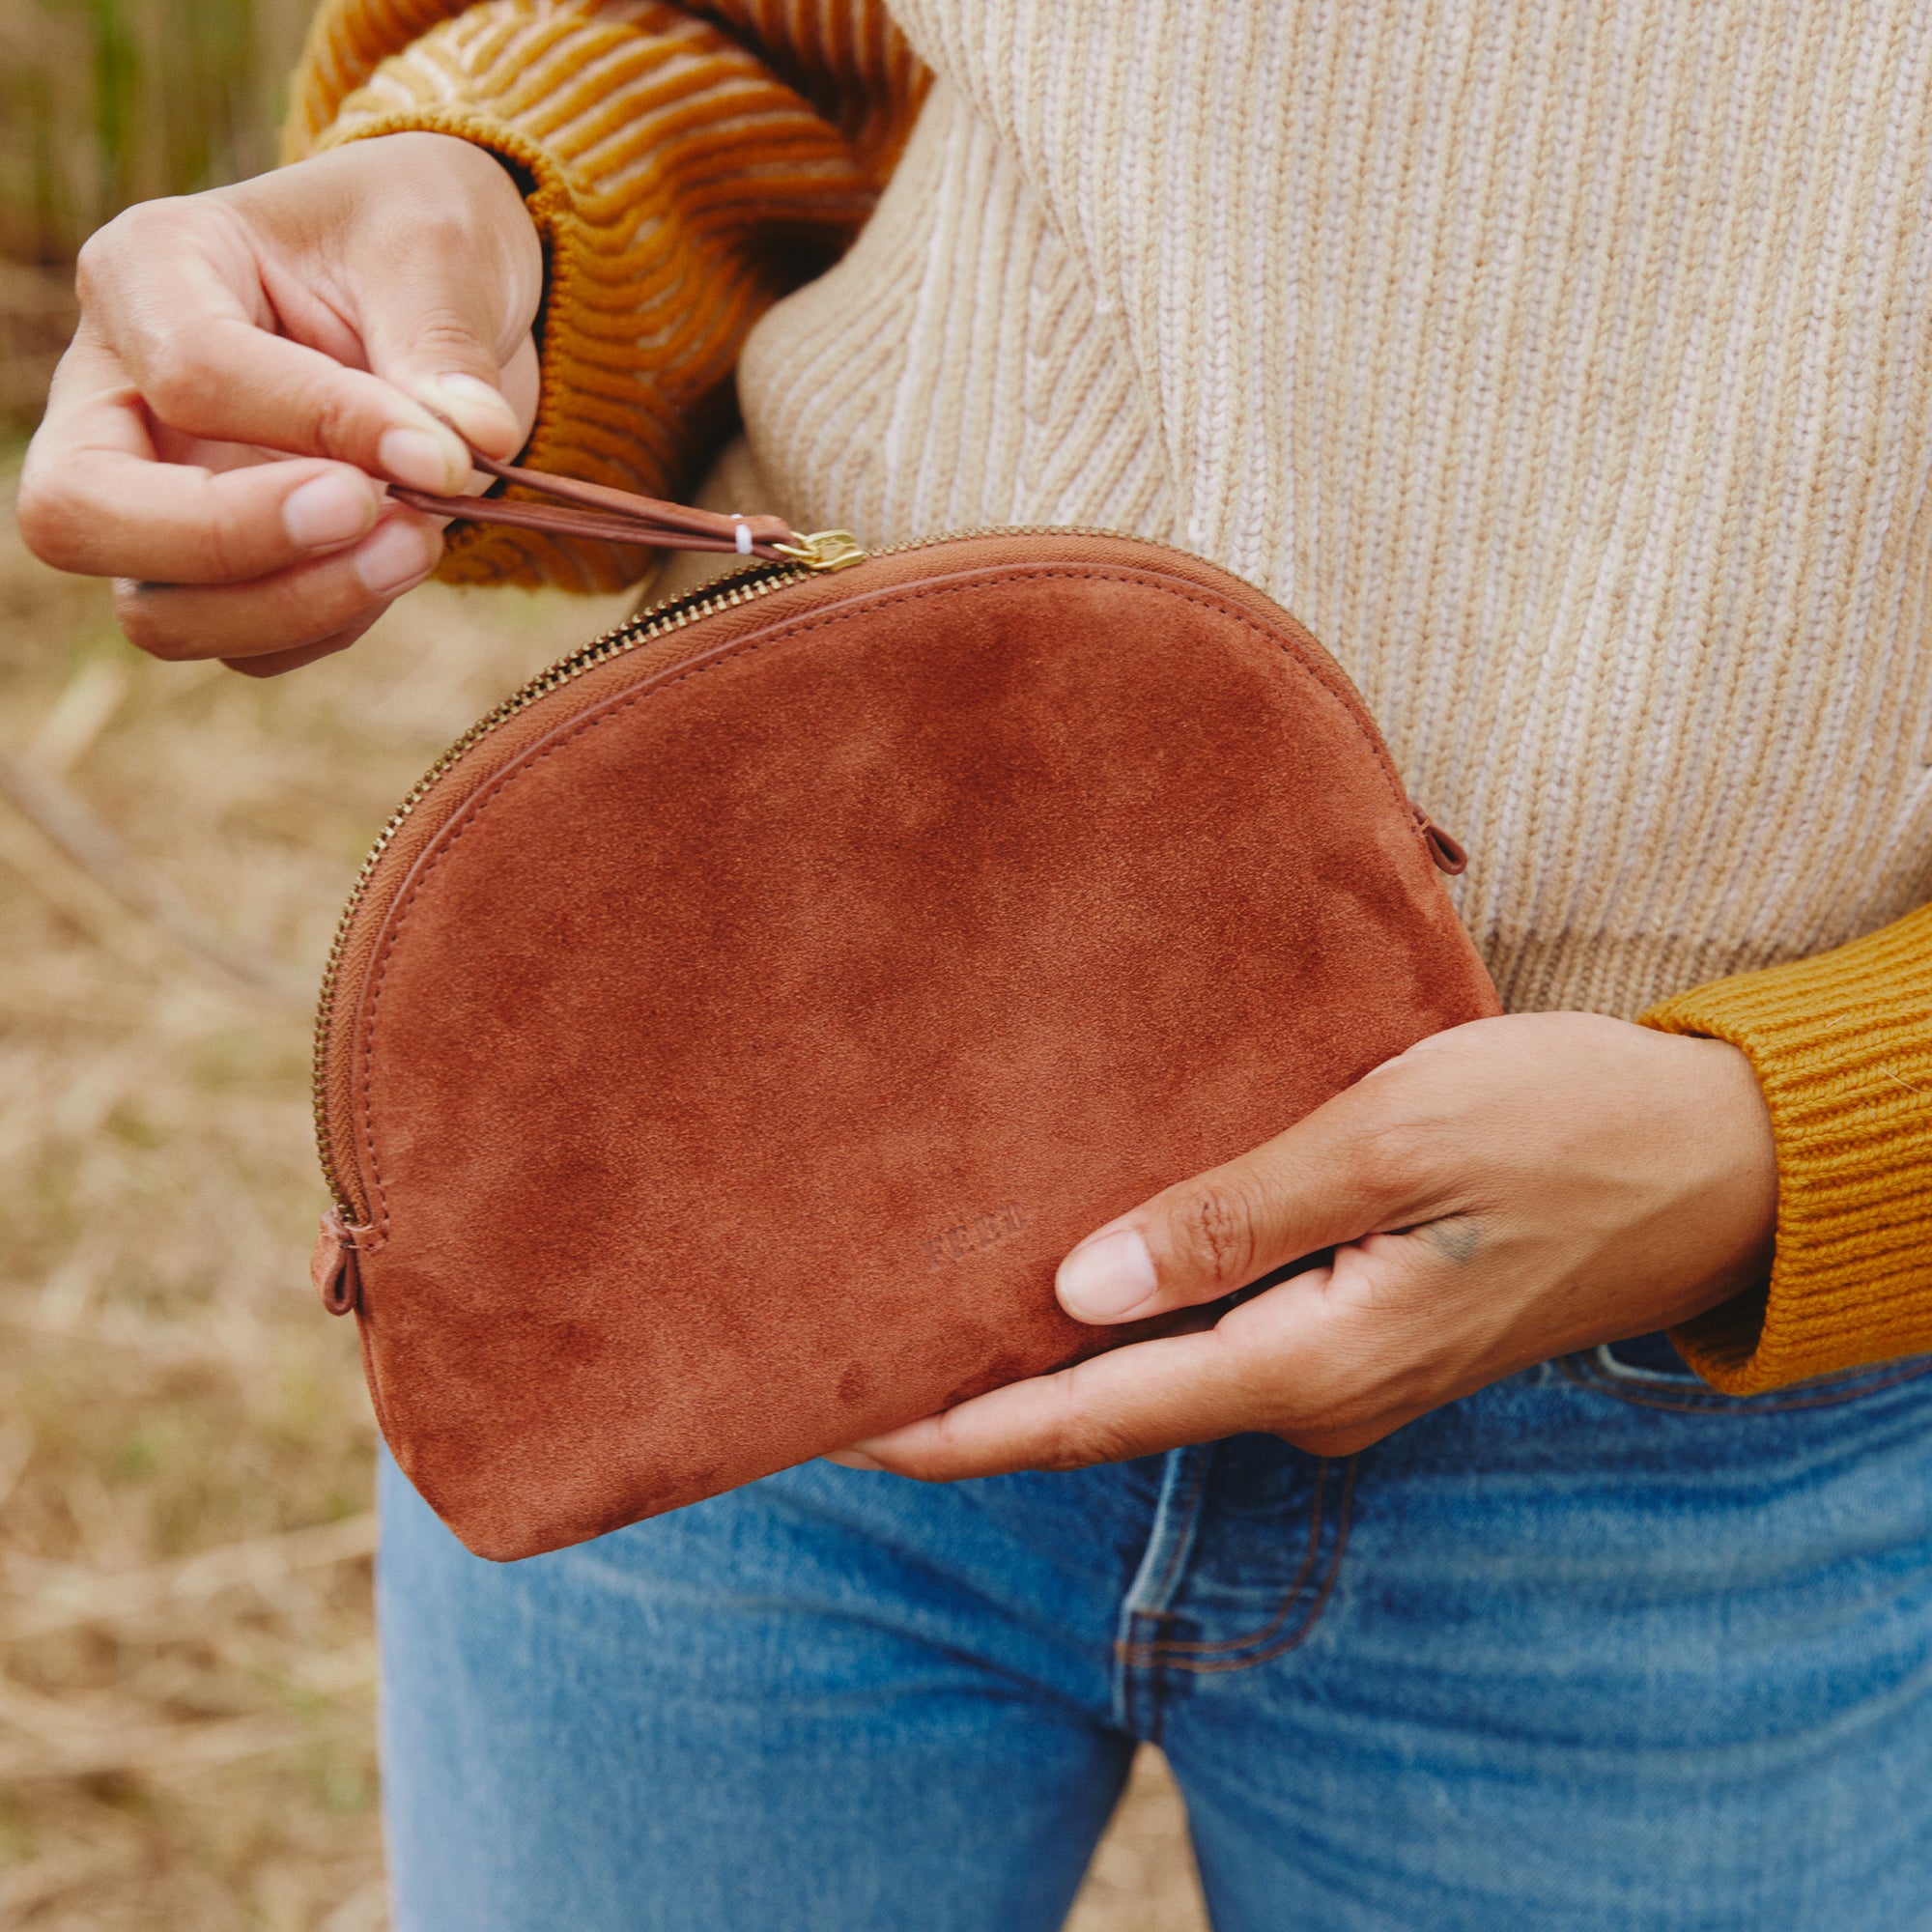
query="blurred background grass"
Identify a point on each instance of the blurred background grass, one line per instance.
(103, 103)
(186, 1671)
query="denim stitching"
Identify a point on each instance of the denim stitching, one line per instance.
(1202, 1659)
(1134, 1652)
(1608, 1363)
(1162, 1647)
(1140, 1695)
(1715, 1403)
(1298, 1635)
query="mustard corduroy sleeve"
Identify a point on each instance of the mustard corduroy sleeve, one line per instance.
(686, 168)
(1842, 1044)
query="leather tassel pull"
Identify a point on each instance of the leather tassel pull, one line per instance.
(614, 516)
(332, 1266)
(1443, 847)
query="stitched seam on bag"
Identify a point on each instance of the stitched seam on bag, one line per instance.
(1220, 1666)
(473, 807)
(376, 1400)
(1715, 1403)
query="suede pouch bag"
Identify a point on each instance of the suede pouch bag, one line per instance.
(728, 1037)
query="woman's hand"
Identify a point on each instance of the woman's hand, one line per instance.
(244, 367)
(1503, 1192)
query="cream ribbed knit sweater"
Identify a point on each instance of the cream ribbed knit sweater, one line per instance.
(1567, 369)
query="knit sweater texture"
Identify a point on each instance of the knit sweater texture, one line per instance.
(1567, 370)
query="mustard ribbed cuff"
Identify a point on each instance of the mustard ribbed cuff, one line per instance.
(674, 181)
(1842, 1044)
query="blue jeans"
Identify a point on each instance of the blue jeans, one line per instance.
(1594, 1648)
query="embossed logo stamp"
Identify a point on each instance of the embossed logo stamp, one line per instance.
(974, 1236)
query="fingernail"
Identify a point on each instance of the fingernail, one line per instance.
(329, 509)
(852, 1458)
(1106, 1279)
(394, 557)
(478, 409)
(422, 461)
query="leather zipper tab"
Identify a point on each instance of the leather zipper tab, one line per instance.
(1444, 846)
(333, 1265)
(621, 516)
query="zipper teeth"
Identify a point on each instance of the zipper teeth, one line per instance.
(642, 628)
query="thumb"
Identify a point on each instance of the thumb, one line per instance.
(1331, 1178)
(434, 333)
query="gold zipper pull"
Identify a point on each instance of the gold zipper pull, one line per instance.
(824, 551)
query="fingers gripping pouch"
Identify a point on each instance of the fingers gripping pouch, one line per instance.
(727, 1038)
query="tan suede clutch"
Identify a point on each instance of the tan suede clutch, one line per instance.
(728, 1037)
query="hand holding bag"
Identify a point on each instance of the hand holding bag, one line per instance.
(728, 1037)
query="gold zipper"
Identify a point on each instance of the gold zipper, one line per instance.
(816, 554)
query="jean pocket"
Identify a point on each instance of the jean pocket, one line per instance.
(1650, 1375)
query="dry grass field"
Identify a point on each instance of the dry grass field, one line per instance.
(187, 1675)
